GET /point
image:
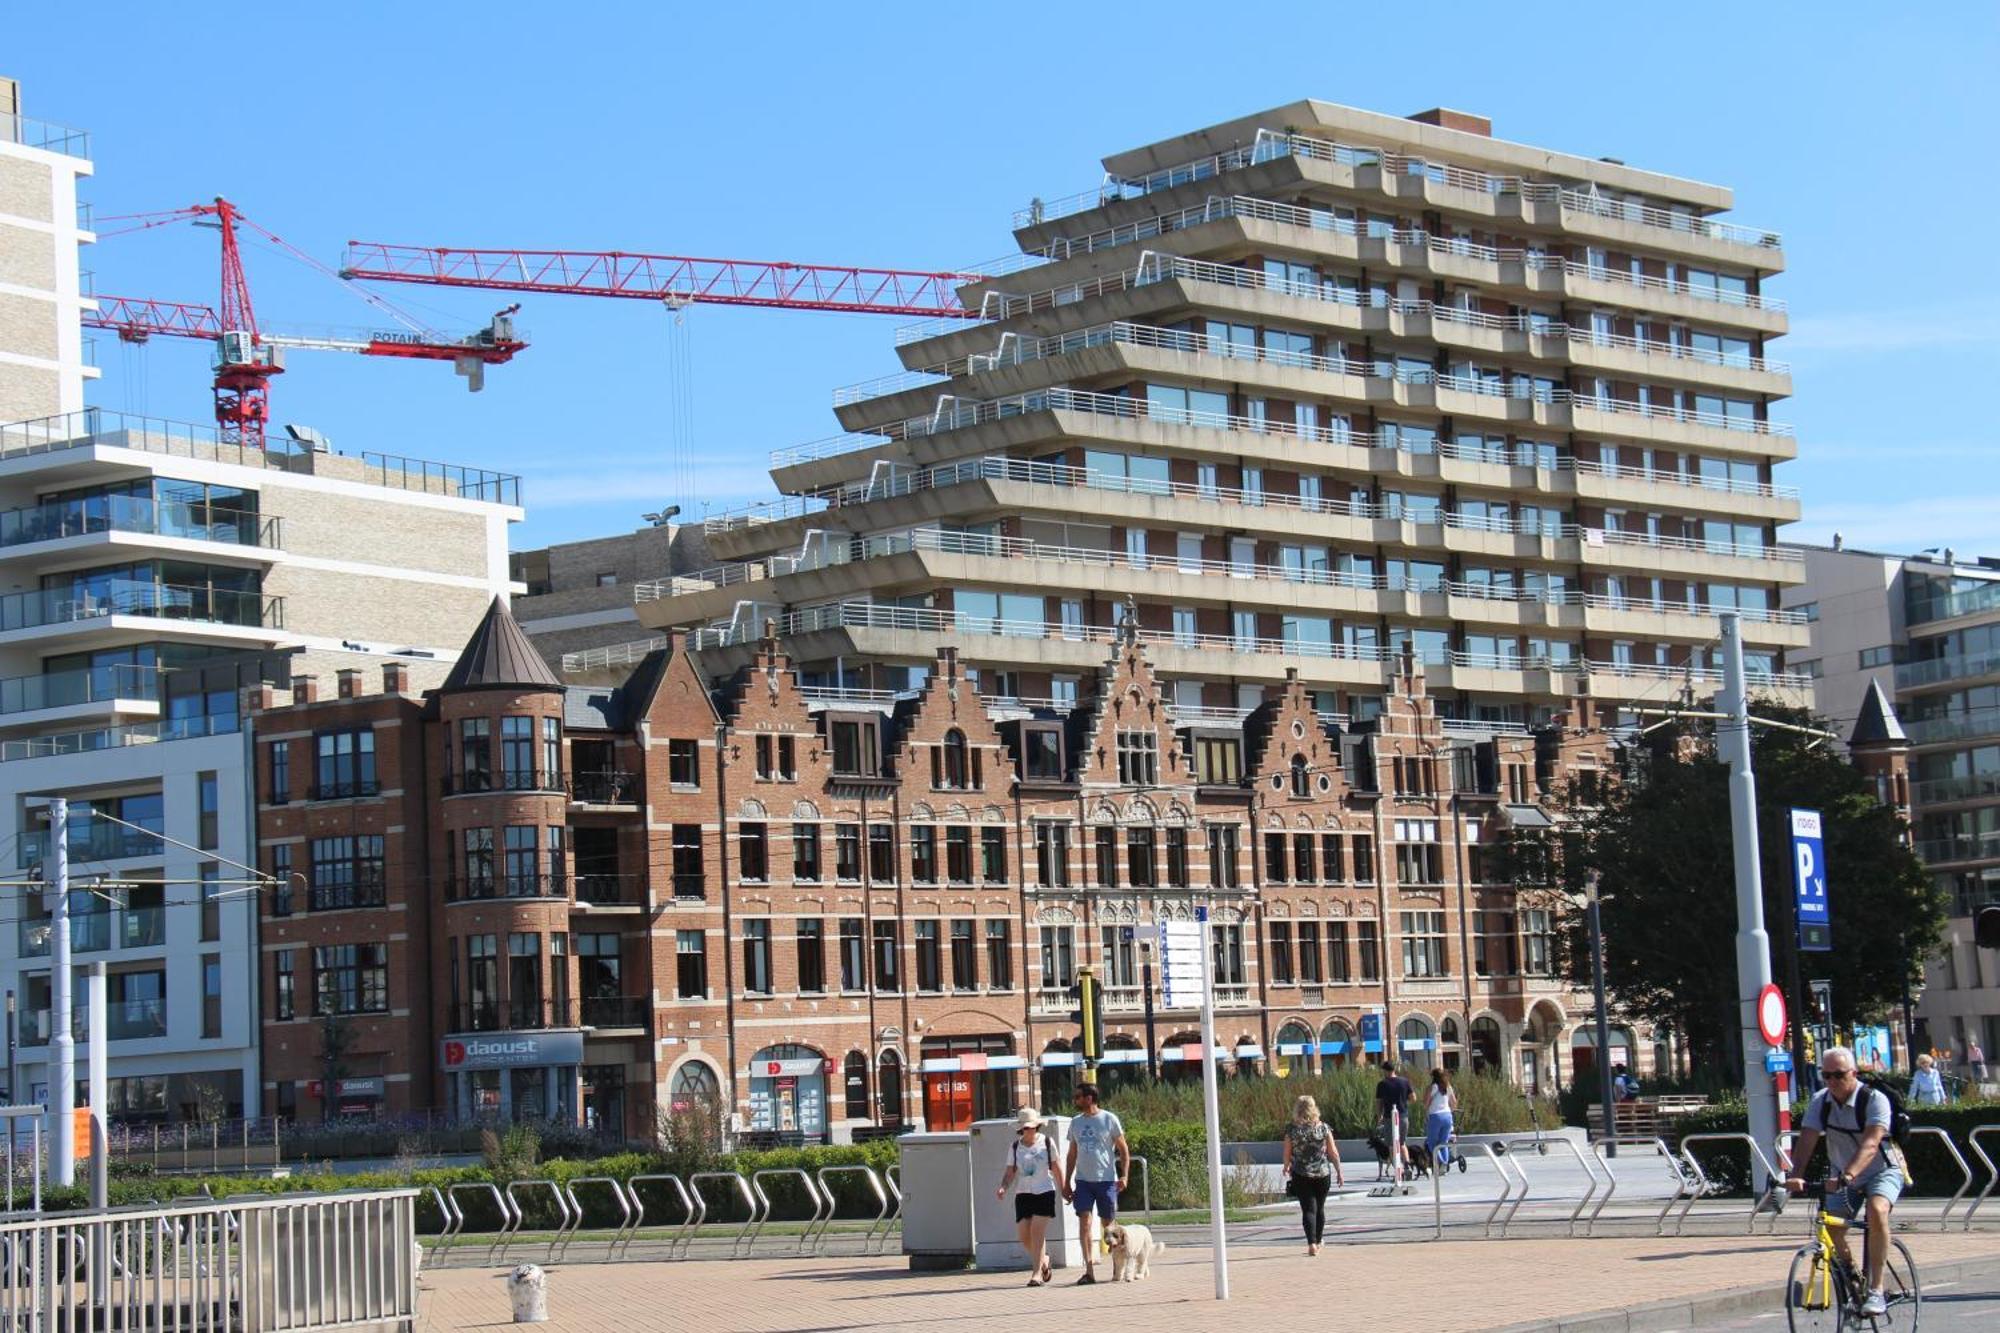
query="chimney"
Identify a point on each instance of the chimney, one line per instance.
(305, 689)
(262, 696)
(1446, 119)
(395, 678)
(350, 681)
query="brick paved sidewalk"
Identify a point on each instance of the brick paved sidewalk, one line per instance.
(1457, 1285)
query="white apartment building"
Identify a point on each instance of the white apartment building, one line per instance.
(148, 574)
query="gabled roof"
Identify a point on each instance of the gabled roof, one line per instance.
(499, 654)
(1878, 723)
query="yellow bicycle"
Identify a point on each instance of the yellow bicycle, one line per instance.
(1825, 1292)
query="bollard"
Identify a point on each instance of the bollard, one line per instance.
(528, 1287)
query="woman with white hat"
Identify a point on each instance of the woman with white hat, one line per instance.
(1036, 1175)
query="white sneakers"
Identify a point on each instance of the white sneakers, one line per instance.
(1875, 1304)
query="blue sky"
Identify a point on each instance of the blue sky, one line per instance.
(905, 136)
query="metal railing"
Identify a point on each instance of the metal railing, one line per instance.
(83, 685)
(617, 654)
(100, 598)
(1959, 666)
(1971, 724)
(506, 884)
(421, 474)
(58, 519)
(1933, 602)
(111, 738)
(44, 134)
(250, 1144)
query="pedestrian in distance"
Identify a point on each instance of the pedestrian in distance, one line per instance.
(1440, 1106)
(1312, 1167)
(1392, 1109)
(1926, 1084)
(1624, 1087)
(1975, 1058)
(1100, 1162)
(1035, 1176)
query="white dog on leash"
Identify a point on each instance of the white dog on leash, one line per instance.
(1132, 1249)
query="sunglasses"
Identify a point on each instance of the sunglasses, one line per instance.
(1836, 1073)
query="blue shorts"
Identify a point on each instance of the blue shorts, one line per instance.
(1100, 1194)
(1887, 1184)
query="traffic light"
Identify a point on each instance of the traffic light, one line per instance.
(1088, 1014)
(1986, 927)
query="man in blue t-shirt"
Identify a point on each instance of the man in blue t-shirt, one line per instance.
(1100, 1162)
(1855, 1121)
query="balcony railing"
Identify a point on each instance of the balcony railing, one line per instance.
(1973, 724)
(137, 514)
(84, 685)
(528, 1015)
(1932, 670)
(499, 884)
(335, 895)
(125, 1020)
(617, 654)
(111, 738)
(44, 134)
(133, 597)
(477, 782)
(142, 927)
(1967, 787)
(610, 889)
(90, 840)
(348, 790)
(1270, 145)
(1963, 847)
(616, 1011)
(604, 788)
(1935, 603)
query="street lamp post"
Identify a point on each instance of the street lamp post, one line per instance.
(1603, 1023)
(1753, 945)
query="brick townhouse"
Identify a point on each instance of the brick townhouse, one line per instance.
(837, 912)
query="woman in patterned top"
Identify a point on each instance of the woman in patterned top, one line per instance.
(1312, 1165)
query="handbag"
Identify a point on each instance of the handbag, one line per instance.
(1291, 1186)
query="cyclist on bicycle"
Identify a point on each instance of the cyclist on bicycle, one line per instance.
(1855, 1122)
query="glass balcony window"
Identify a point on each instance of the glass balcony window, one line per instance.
(197, 521)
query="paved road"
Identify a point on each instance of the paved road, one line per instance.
(1958, 1307)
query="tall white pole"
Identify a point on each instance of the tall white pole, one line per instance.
(99, 1062)
(62, 1046)
(1212, 1113)
(1753, 946)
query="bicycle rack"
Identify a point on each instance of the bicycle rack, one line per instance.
(1757, 1204)
(749, 1201)
(881, 1218)
(1992, 1171)
(1501, 1167)
(1944, 1218)
(508, 1221)
(1660, 1149)
(694, 1208)
(892, 1180)
(565, 1220)
(821, 1206)
(1145, 1186)
(625, 1214)
(1581, 1161)
(453, 1220)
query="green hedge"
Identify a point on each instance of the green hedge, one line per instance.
(1931, 1168)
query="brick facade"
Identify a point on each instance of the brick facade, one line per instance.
(841, 913)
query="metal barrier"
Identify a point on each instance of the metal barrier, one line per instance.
(1702, 1183)
(300, 1262)
(694, 1211)
(741, 1239)
(1992, 1172)
(1145, 1186)
(822, 1206)
(883, 1209)
(626, 1216)
(566, 1219)
(1944, 1218)
(892, 1180)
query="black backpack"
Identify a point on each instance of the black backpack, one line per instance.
(1899, 1114)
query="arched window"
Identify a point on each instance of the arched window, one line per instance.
(889, 1088)
(1301, 777)
(1486, 1046)
(1448, 1042)
(1414, 1045)
(1336, 1045)
(954, 762)
(1059, 1075)
(1174, 1066)
(1126, 1068)
(695, 1099)
(854, 1075)
(1294, 1056)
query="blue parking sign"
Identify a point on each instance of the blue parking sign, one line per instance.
(1809, 882)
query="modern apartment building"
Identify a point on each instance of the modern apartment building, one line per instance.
(1928, 628)
(1302, 390)
(149, 574)
(838, 912)
(44, 362)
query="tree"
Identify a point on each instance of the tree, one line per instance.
(1660, 841)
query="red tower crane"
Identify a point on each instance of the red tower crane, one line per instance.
(246, 357)
(672, 278)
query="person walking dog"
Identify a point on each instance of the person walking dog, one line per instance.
(1036, 1176)
(1312, 1166)
(1100, 1162)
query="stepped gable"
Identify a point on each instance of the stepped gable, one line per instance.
(1877, 723)
(1281, 730)
(921, 725)
(499, 655)
(1128, 696)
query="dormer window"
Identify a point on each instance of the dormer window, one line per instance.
(954, 765)
(857, 746)
(1139, 758)
(1042, 753)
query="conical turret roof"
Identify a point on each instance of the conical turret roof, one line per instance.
(1877, 723)
(500, 654)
